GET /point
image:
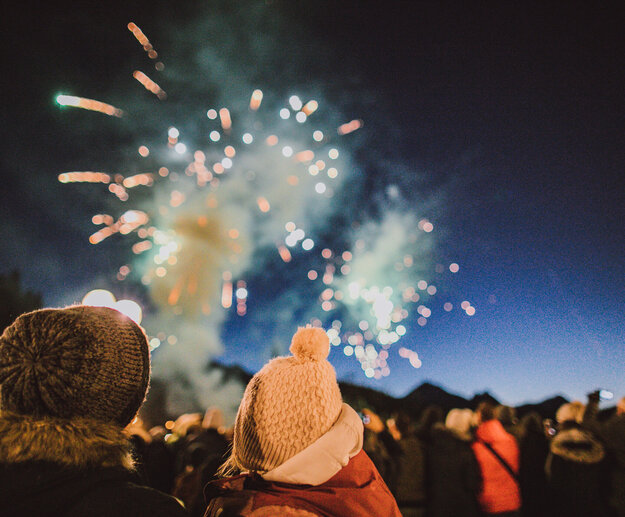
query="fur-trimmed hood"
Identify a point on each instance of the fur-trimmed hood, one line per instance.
(76, 443)
(577, 445)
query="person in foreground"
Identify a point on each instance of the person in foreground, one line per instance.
(70, 380)
(298, 446)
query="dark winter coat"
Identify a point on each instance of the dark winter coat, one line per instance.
(409, 486)
(157, 464)
(75, 468)
(202, 455)
(576, 473)
(612, 434)
(452, 475)
(534, 448)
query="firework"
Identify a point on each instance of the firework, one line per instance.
(84, 177)
(149, 84)
(145, 43)
(89, 104)
(262, 178)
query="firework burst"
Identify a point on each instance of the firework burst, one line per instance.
(262, 176)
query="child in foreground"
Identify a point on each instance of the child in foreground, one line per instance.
(298, 446)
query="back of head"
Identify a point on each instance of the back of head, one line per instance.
(79, 361)
(460, 421)
(506, 415)
(403, 423)
(213, 419)
(289, 404)
(187, 423)
(570, 412)
(486, 411)
(531, 423)
(431, 415)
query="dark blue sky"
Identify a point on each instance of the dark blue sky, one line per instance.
(507, 120)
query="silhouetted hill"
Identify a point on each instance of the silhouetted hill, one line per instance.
(360, 397)
(427, 394)
(482, 397)
(546, 408)
(431, 395)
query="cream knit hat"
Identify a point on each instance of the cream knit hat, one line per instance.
(289, 404)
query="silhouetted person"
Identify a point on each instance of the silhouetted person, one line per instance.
(534, 447)
(612, 433)
(430, 416)
(507, 416)
(497, 453)
(453, 474)
(203, 451)
(409, 457)
(575, 467)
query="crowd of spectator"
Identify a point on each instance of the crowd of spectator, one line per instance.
(73, 380)
(438, 465)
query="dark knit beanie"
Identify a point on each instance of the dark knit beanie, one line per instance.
(80, 361)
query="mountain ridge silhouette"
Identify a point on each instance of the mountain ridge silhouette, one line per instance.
(426, 394)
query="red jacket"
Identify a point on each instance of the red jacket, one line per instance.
(356, 490)
(500, 491)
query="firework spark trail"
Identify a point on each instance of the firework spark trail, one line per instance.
(392, 246)
(127, 223)
(84, 177)
(257, 98)
(149, 84)
(349, 127)
(89, 104)
(147, 46)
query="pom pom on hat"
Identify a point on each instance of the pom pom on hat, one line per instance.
(310, 343)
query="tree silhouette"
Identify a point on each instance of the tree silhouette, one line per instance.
(14, 300)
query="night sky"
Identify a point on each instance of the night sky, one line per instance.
(501, 123)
